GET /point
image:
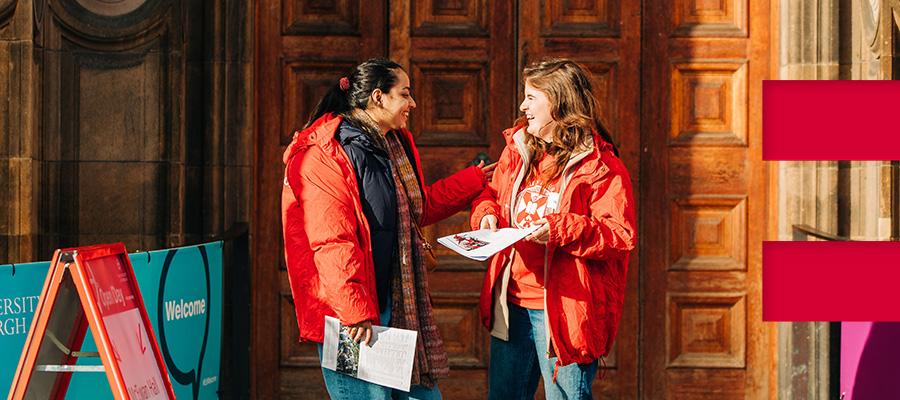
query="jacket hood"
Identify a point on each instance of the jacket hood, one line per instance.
(324, 129)
(320, 132)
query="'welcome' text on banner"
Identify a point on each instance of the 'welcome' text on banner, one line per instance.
(182, 289)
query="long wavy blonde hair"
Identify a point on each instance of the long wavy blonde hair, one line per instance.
(574, 109)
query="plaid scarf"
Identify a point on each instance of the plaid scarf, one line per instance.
(411, 303)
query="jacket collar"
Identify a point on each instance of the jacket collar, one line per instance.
(347, 133)
(322, 133)
(591, 157)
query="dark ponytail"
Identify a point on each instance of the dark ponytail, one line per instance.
(375, 73)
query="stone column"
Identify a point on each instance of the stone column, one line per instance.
(870, 200)
(828, 39)
(808, 191)
(228, 132)
(19, 172)
(867, 193)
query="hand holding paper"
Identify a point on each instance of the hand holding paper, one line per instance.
(481, 244)
(489, 221)
(387, 360)
(541, 231)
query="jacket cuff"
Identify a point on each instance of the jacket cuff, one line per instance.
(484, 179)
(356, 305)
(365, 315)
(479, 212)
(556, 234)
(475, 217)
(472, 181)
(479, 175)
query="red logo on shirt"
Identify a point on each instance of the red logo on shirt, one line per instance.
(531, 205)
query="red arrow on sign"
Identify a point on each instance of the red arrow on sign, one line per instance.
(141, 339)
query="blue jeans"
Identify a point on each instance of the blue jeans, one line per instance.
(517, 364)
(346, 387)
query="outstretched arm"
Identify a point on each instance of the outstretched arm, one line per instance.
(454, 193)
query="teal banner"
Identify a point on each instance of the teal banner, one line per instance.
(182, 291)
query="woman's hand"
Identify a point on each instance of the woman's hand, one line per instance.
(489, 221)
(362, 330)
(487, 169)
(542, 234)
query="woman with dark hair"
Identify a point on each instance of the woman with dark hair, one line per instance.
(352, 204)
(553, 301)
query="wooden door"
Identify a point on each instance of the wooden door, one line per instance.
(679, 86)
(703, 206)
(604, 36)
(460, 58)
(303, 47)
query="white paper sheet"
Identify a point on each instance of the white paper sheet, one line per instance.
(387, 362)
(481, 244)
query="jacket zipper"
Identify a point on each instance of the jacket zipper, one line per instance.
(526, 159)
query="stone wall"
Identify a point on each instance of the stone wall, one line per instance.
(123, 121)
(828, 39)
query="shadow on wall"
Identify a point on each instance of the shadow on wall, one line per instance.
(879, 365)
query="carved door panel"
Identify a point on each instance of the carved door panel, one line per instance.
(460, 56)
(704, 200)
(604, 36)
(303, 46)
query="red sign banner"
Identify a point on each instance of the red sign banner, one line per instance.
(92, 286)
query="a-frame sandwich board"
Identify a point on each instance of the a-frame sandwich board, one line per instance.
(92, 287)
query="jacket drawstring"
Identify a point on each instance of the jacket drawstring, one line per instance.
(556, 370)
(602, 368)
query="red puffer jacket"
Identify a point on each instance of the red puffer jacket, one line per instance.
(326, 236)
(591, 235)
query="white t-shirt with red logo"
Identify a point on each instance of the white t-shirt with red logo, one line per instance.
(534, 201)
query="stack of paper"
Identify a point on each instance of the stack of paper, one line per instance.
(387, 362)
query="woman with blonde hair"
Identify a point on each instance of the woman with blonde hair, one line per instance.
(554, 300)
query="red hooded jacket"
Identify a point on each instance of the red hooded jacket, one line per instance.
(591, 235)
(326, 236)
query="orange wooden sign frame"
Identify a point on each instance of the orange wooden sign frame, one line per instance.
(68, 305)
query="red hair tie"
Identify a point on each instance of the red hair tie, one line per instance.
(345, 83)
